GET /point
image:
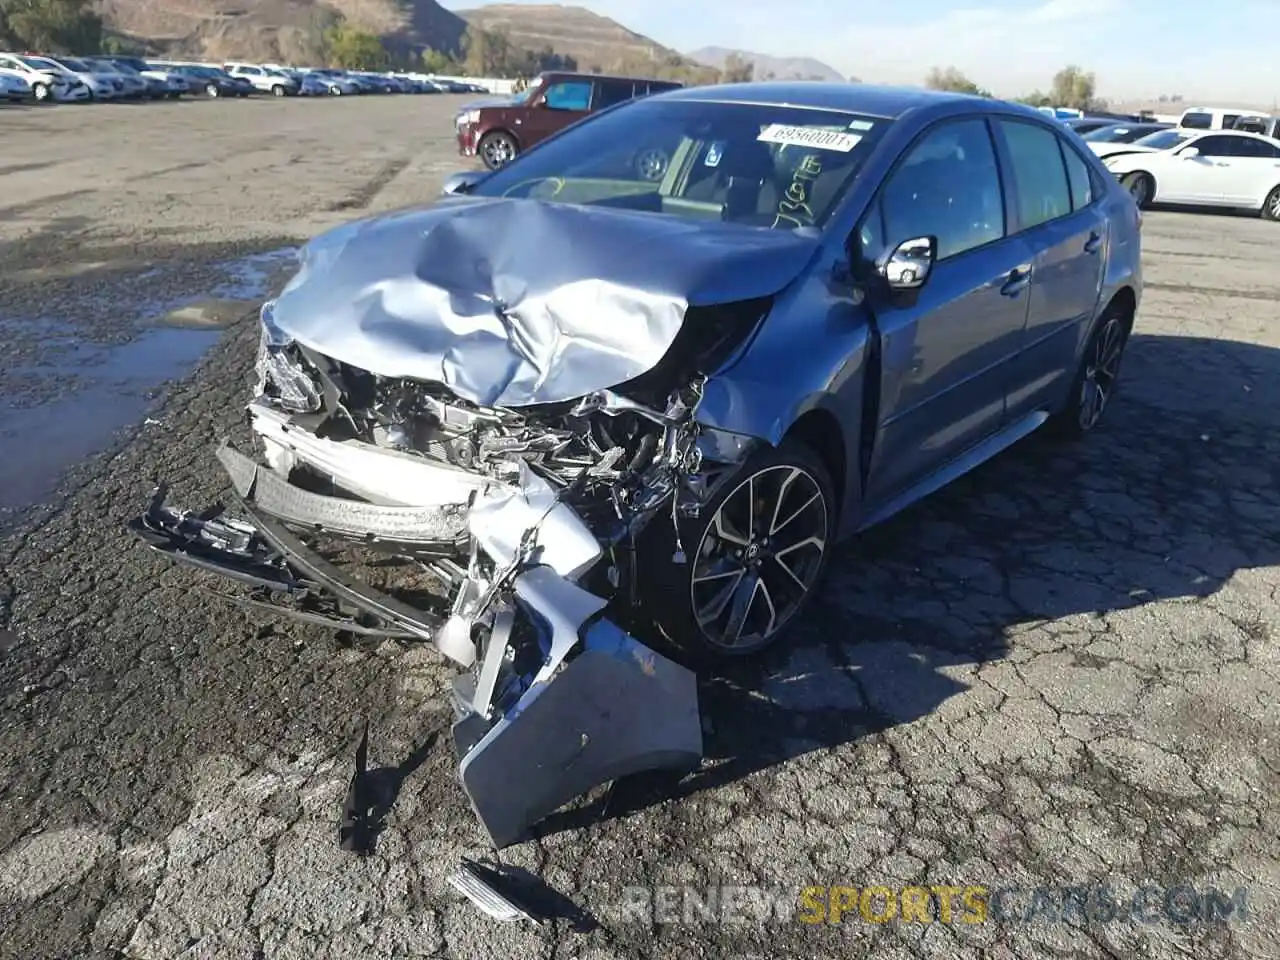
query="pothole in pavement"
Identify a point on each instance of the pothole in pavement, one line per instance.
(72, 384)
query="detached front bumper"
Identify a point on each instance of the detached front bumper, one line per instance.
(556, 699)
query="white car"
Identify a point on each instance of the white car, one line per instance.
(14, 87)
(1218, 169)
(47, 80)
(275, 82)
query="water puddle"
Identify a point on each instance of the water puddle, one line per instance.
(73, 386)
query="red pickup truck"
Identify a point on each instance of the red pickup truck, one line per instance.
(498, 130)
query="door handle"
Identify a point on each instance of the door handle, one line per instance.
(1018, 280)
(1094, 243)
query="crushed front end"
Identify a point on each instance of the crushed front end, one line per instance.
(510, 534)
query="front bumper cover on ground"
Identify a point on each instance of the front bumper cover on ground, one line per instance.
(600, 706)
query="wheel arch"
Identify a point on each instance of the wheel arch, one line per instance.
(503, 130)
(819, 429)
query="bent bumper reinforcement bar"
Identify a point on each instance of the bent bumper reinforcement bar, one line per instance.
(602, 706)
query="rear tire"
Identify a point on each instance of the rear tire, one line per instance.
(1271, 206)
(753, 558)
(1096, 377)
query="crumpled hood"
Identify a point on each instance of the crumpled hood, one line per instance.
(518, 302)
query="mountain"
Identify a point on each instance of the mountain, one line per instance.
(275, 30)
(595, 42)
(770, 68)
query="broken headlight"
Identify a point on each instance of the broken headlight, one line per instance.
(281, 376)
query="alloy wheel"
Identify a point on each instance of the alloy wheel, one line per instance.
(497, 152)
(1273, 205)
(651, 164)
(40, 91)
(759, 557)
(1101, 369)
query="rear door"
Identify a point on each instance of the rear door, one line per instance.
(943, 356)
(1252, 171)
(1058, 213)
(609, 93)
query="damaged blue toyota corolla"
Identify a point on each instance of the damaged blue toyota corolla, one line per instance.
(638, 382)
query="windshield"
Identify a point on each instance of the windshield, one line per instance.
(40, 63)
(756, 164)
(79, 66)
(122, 67)
(102, 66)
(1164, 139)
(1119, 133)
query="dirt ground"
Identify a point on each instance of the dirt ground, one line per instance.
(1061, 672)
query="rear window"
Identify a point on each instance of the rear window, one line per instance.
(1197, 121)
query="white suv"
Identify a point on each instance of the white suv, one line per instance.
(268, 81)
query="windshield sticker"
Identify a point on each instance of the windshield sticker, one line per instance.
(809, 137)
(861, 125)
(714, 153)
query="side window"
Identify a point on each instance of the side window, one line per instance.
(1215, 146)
(1078, 177)
(1041, 176)
(948, 187)
(1248, 147)
(611, 92)
(569, 95)
(1196, 121)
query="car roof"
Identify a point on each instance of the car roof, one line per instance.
(874, 100)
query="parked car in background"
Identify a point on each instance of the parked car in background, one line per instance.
(98, 87)
(49, 81)
(211, 81)
(338, 82)
(176, 85)
(136, 86)
(1124, 132)
(264, 79)
(1215, 118)
(1216, 169)
(498, 131)
(14, 87)
(1083, 125)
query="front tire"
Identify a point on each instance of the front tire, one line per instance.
(752, 558)
(277, 91)
(40, 91)
(1271, 206)
(497, 149)
(1096, 377)
(211, 90)
(1141, 187)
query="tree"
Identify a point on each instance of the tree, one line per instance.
(1036, 99)
(53, 26)
(435, 61)
(952, 80)
(1074, 88)
(353, 49)
(737, 69)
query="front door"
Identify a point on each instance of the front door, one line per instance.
(944, 357)
(1200, 178)
(562, 103)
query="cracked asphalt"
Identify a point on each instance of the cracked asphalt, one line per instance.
(1060, 671)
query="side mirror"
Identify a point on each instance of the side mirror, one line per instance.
(1189, 154)
(461, 182)
(910, 264)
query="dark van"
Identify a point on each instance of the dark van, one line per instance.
(498, 130)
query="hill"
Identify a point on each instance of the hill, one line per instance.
(275, 30)
(770, 68)
(595, 42)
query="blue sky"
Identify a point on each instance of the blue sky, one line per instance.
(1137, 48)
